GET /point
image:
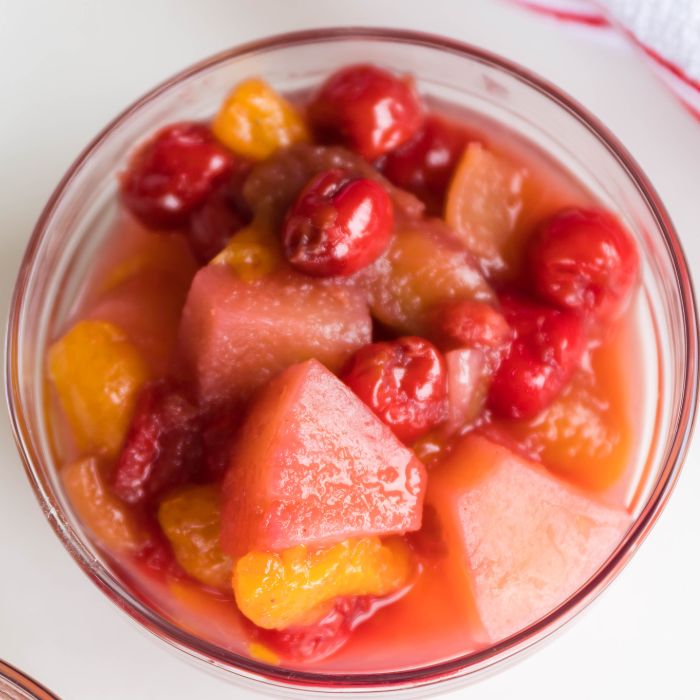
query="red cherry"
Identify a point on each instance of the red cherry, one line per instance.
(163, 447)
(472, 324)
(316, 641)
(157, 555)
(213, 224)
(542, 358)
(424, 165)
(337, 225)
(583, 259)
(219, 432)
(173, 173)
(367, 108)
(404, 381)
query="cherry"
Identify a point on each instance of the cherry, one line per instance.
(541, 359)
(219, 430)
(472, 324)
(337, 225)
(366, 108)
(404, 381)
(173, 173)
(583, 259)
(163, 446)
(322, 638)
(424, 165)
(213, 224)
(157, 555)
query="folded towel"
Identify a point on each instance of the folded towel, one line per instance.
(666, 31)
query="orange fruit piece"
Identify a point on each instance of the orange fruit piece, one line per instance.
(582, 436)
(97, 373)
(296, 586)
(112, 523)
(190, 518)
(254, 121)
(483, 203)
(252, 253)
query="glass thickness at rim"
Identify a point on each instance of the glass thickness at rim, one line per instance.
(427, 675)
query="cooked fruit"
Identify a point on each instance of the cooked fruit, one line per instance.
(97, 374)
(403, 381)
(468, 379)
(520, 540)
(237, 334)
(147, 307)
(584, 435)
(255, 121)
(367, 109)
(273, 185)
(583, 259)
(173, 173)
(297, 586)
(472, 324)
(313, 465)
(338, 225)
(483, 204)
(163, 447)
(190, 518)
(320, 639)
(214, 223)
(540, 361)
(424, 266)
(424, 165)
(112, 523)
(253, 253)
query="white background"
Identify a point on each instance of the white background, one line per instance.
(66, 68)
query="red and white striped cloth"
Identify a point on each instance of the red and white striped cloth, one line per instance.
(667, 31)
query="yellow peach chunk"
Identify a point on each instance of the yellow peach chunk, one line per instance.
(294, 587)
(581, 436)
(254, 121)
(112, 523)
(252, 253)
(191, 520)
(97, 374)
(483, 203)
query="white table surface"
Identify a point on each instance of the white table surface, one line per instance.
(67, 67)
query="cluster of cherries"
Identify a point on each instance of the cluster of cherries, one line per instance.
(581, 265)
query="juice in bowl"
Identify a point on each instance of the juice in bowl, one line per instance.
(353, 375)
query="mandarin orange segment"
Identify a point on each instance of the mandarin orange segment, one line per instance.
(483, 203)
(252, 253)
(112, 522)
(296, 586)
(254, 121)
(97, 373)
(190, 518)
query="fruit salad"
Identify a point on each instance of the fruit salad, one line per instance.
(351, 385)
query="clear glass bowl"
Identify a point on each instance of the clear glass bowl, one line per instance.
(14, 685)
(76, 218)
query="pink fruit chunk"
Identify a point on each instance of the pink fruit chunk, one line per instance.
(313, 465)
(235, 334)
(468, 378)
(522, 540)
(147, 306)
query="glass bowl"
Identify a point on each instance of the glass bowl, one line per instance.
(75, 220)
(14, 685)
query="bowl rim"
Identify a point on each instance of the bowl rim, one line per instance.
(16, 678)
(432, 673)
